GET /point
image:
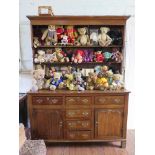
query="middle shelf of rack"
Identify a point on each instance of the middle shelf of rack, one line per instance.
(77, 64)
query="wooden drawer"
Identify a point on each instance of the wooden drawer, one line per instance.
(81, 113)
(79, 125)
(109, 100)
(78, 135)
(47, 100)
(78, 100)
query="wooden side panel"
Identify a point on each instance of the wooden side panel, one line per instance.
(108, 123)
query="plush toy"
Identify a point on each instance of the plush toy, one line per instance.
(36, 42)
(93, 37)
(71, 33)
(101, 82)
(88, 55)
(91, 81)
(69, 81)
(47, 83)
(55, 81)
(38, 79)
(103, 38)
(104, 70)
(107, 55)
(110, 77)
(61, 56)
(98, 56)
(64, 40)
(59, 31)
(117, 56)
(40, 57)
(83, 38)
(117, 83)
(116, 36)
(78, 56)
(50, 36)
(79, 82)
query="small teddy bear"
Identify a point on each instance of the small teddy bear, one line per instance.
(78, 56)
(83, 38)
(61, 56)
(50, 36)
(98, 56)
(36, 42)
(117, 83)
(91, 81)
(117, 56)
(64, 40)
(40, 57)
(93, 37)
(103, 38)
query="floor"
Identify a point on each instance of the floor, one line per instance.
(94, 148)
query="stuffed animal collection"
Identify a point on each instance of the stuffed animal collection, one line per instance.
(78, 36)
(73, 79)
(77, 55)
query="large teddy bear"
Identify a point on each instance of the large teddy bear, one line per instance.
(50, 36)
(38, 79)
(103, 38)
(83, 38)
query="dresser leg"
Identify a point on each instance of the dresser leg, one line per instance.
(123, 144)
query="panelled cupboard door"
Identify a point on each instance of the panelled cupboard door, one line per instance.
(47, 124)
(108, 123)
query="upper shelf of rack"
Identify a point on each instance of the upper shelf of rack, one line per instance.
(78, 20)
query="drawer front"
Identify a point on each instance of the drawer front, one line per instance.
(81, 113)
(79, 125)
(109, 100)
(84, 100)
(78, 135)
(47, 100)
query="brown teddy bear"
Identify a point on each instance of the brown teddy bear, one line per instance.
(103, 38)
(50, 36)
(83, 38)
(91, 81)
(36, 42)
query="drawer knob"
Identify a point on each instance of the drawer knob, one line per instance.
(85, 124)
(71, 113)
(60, 124)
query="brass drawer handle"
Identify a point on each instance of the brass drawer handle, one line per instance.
(71, 113)
(117, 100)
(85, 113)
(85, 100)
(102, 100)
(54, 101)
(39, 100)
(71, 100)
(85, 124)
(60, 124)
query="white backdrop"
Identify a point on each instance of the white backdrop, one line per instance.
(79, 7)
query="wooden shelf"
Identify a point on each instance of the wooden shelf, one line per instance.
(61, 46)
(79, 64)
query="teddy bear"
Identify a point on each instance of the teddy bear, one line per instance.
(107, 55)
(79, 82)
(110, 76)
(50, 36)
(71, 33)
(83, 38)
(36, 42)
(103, 38)
(61, 56)
(38, 79)
(104, 70)
(117, 83)
(59, 31)
(91, 81)
(93, 37)
(47, 83)
(98, 56)
(101, 82)
(64, 40)
(88, 55)
(55, 81)
(40, 57)
(77, 56)
(116, 55)
(69, 81)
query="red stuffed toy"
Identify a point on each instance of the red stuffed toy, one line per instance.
(60, 31)
(78, 56)
(71, 33)
(99, 56)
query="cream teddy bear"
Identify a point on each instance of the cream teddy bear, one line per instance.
(40, 57)
(103, 39)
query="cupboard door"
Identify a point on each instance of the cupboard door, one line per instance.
(47, 124)
(108, 123)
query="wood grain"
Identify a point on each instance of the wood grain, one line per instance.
(94, 148)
